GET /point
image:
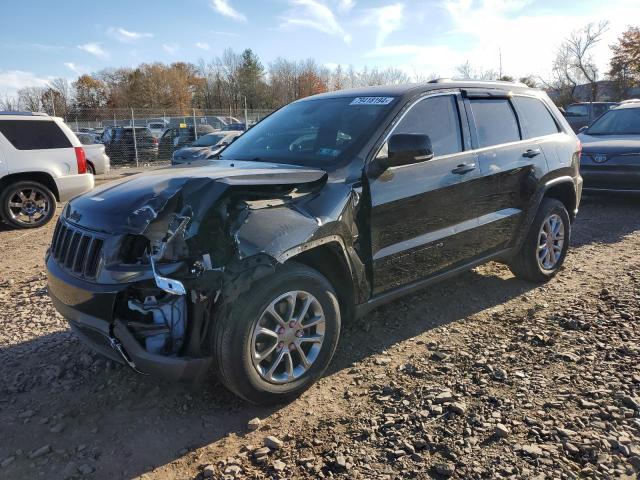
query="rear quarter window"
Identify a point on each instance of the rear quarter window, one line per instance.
(535, 118)
(34, 134)
(495, 121)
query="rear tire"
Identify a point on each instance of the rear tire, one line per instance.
(26, 204)
(259, 355)
(545, 247)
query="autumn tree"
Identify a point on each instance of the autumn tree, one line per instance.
(90, 93)
(625, 63)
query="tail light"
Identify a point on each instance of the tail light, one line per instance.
(155, 141)
(579, 148)
(81, 159)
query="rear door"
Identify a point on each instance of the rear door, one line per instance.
(420, 218)
(511, 163)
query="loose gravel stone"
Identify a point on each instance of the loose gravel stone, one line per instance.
(273, 442)
(254, 424)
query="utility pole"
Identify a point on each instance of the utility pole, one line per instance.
(195, 127)
(246, 118)
(135, 142)
(500, 61)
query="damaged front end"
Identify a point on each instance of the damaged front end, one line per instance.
(140, 267)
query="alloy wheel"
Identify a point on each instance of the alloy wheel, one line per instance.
(550, 242)
(287, 338)
(29, 206)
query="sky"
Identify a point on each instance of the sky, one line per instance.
(41, 40)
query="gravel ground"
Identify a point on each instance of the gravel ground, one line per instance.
(482, 376)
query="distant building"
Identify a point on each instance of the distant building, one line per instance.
(608, 91)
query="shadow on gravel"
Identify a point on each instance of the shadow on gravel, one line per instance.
(439, 305)
(606, 219)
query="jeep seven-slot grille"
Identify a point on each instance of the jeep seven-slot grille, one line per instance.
(76, 250)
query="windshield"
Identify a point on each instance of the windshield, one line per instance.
(311, 132)
(207, 140)
(625, 121)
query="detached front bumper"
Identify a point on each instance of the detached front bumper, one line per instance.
(89, 309)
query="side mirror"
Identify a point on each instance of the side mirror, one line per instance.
(583, 128)
(407, 148)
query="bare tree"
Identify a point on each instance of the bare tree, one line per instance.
(467, 71)
(62, 93)
(30, 98)
(9, 103)
(574, 63)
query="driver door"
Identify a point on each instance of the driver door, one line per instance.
(422, 215)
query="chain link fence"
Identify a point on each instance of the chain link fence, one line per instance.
(150, 137)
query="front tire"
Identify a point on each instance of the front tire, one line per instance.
(276, 340)
(545, 247)
(27, 204)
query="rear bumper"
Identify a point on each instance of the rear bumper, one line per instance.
(101, 163)
(70, 186)
(89, 310)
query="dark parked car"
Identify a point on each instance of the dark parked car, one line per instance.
(204, 147)
(610, 158)
(120, 147)
(234, 127)
(581, 115)
(329, 207)
(177, 137)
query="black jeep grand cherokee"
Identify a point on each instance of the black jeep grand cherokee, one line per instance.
(326, 209)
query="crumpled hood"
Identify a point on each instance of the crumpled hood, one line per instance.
(610, 144)
(129, 205)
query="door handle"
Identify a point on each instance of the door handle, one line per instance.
(532, 153)
(464, 168)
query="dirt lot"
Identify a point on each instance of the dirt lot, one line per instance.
(483, 376)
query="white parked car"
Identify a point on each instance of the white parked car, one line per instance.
(97, 160)
(41, 162)
(157, 127)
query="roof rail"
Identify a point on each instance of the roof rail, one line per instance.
(440, 80)
(24, 114)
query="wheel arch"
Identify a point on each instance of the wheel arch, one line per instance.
(329, 258)
(563, 189)
(40, 177)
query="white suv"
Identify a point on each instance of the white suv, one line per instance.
(41, 162)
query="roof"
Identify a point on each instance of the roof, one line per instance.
(593, 103)
(415, 88)
(627, 105)
(24, 114)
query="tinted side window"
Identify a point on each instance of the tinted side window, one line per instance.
(599, 109)
(535, 119)
(34, 134)
(438, 118)
(577, 110)
(495, 121)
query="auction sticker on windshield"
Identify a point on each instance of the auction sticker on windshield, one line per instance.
(371, 101)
